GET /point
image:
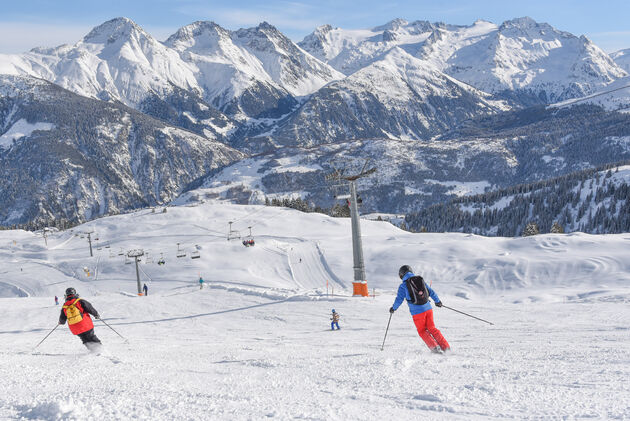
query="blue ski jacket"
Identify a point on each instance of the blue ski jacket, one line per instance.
(403, 293)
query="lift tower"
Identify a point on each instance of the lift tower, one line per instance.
(359, 285)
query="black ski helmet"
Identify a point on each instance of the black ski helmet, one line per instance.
(403, 270)
(71, 293)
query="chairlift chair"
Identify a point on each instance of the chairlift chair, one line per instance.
(161, 261)
(180, 253)
(195, 255)
(249, 240)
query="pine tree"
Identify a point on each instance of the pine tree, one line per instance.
(556, 228)
(531, 229)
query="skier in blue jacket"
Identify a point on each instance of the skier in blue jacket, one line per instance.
(422, 314)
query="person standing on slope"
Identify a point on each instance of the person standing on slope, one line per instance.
(145, 289)
(335, 320)
(56, 300)
(76, 311)
(422, 312)
(200, 282)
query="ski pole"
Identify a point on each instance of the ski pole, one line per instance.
(390, 319)
(40, 342)
(466, 314)
(114, 330)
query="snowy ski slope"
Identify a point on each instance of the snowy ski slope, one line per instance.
(255, 343)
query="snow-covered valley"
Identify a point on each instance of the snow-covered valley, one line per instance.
(256, 341)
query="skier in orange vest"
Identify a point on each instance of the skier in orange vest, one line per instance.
(76, 311)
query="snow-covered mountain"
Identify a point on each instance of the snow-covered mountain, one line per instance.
(69, 157)
(119, 60)
(622, 58)
(522, 59)
(614, 97)
(116, 60)
(419, 84)
(592, 201)
(256, 72)
(485, 154)
(397, 97)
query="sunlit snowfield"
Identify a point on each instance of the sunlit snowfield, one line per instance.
(256, 343)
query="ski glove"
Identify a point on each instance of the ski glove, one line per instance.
(439, 304)
(97, 316)
(391, 310)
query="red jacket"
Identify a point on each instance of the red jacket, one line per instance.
(85, 309)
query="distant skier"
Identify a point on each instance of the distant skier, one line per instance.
(56, 300)
(335, 320)
(421, 311)
(145, 289)
(201, 282)
(77, 312)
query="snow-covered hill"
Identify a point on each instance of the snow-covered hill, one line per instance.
(260, 326)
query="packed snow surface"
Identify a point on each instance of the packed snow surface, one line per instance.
(256, 341)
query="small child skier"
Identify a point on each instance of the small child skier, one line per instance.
(335, 320)
(200, 282)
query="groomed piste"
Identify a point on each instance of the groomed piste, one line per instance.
(255, 342)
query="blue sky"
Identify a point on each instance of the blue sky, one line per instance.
(29, 23)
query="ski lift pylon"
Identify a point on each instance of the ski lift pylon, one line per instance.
(232, 235)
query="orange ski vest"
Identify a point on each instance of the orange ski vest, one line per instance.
(78, 320)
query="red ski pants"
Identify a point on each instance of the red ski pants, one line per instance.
(428, 332)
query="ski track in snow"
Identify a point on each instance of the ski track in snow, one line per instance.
(255, 342)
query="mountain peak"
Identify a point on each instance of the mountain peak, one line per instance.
(109, 31)
(324, 29)
(195, 30)
(392, 25)
(266, 25)
(525, 23)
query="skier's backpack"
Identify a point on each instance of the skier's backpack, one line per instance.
(73, 313)
(417, 290)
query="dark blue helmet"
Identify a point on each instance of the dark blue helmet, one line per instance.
(333, 310)
(403, 270)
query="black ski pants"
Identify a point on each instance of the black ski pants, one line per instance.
(88, 336)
